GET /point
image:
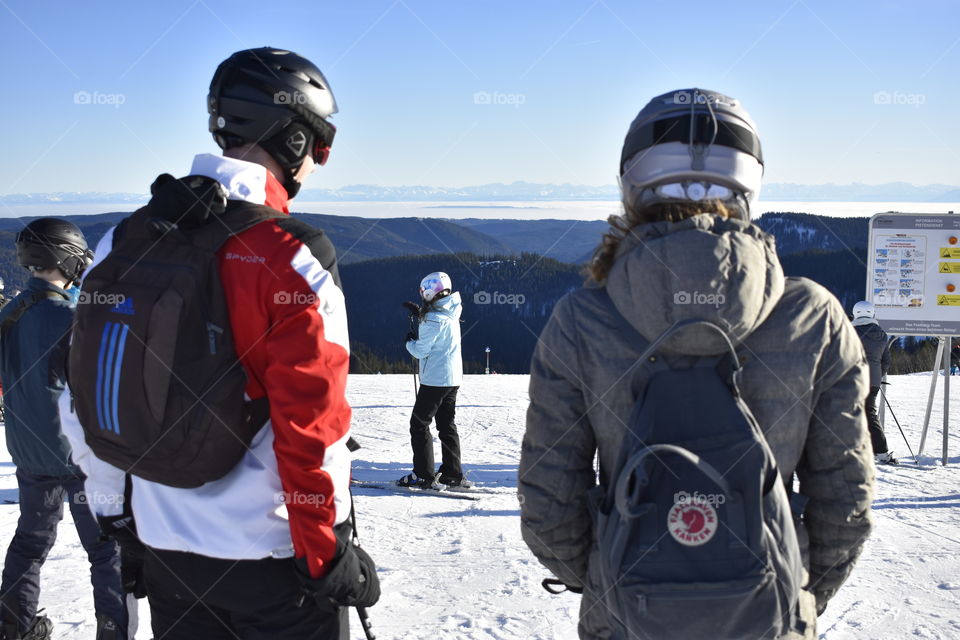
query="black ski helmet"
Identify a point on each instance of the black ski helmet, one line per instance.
(276, 99)
(52, 243)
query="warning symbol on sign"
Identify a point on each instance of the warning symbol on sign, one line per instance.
(950, 267)
(948, 301)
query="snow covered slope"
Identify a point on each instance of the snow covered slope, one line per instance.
(456, 569)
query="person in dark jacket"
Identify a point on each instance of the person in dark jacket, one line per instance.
(955, 358)
(34, 334)
(876, 345)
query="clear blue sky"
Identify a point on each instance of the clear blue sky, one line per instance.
(405, 74)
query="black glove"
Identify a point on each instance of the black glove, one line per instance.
(410, 336)
(123, 529)
(131, 571)
(821, 605)
(556, 587)
(351, 582)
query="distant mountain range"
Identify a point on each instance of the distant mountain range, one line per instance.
(528, 191)
(857, 192)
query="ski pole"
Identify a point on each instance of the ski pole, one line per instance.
(365, 623)
(361, 611)
(414, 362)
(894, 416)
(414, 310)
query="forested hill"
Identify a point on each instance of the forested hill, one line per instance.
(382, 261)
(798, 232)
(571, 241)
(356, 238)
(565, 240)
(830, 251)
(506, 303)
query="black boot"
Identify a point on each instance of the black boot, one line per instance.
(11, 618)
(107, 628)
(42, 629)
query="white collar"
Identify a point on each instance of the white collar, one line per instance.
(243, 180)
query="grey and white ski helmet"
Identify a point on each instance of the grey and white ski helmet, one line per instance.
(435, 285)
(864, 309)
(692, 144)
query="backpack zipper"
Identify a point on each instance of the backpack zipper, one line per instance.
(213, 332)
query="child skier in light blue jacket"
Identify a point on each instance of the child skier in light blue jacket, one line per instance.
(437, 347)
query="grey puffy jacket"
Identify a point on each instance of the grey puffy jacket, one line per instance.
(804, 378)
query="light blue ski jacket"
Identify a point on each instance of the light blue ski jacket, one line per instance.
(438, 348)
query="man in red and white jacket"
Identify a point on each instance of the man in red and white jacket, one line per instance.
(233, 557)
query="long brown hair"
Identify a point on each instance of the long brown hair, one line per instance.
(632, 216)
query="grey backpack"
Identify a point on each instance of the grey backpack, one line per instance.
(693, 534)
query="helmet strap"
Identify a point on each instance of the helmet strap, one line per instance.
(289, 147)
(291, 186)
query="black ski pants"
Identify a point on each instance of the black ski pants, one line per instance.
(193, 597)
(41, 510)
(439, 402)
(877, 439)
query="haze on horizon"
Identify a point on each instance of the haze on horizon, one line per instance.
(105, 96)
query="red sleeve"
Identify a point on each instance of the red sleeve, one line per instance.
(298, 354)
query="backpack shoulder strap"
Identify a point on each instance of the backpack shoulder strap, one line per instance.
(238, 217)
(196, 208)
(24, 304)
(651, 349)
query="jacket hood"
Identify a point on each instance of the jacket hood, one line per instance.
(450, 305)
(706, 267)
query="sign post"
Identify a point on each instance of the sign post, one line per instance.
(913, 280)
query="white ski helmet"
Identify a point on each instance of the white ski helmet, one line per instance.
(436, 285)
(864, 309)
(692, 144)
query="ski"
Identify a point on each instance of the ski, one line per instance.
(437, 493)
(915, 467)
(904, 464)
(488, 491)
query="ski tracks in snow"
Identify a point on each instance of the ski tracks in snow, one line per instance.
(905, 583)
(452, 569)
(459, 570)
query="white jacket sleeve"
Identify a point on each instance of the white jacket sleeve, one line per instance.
(105, 483)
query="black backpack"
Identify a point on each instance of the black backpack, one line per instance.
(693, 534)
(156, 380)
